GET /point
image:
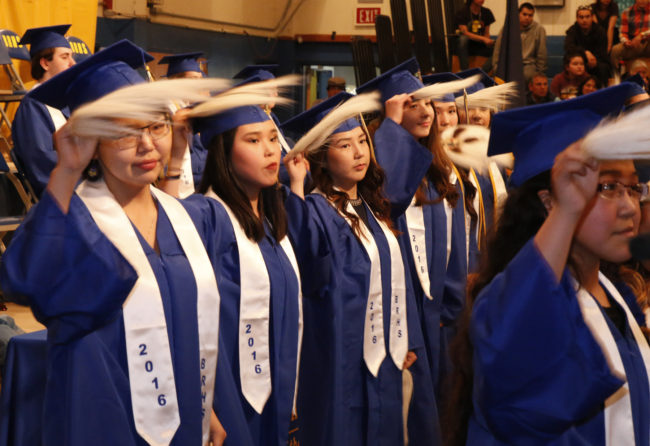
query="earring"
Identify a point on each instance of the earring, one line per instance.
(93, 171)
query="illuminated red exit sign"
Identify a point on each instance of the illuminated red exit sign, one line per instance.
(366, 16)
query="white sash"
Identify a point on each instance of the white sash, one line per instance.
(186, 185)
(417, 238)
(619, 424)
(449, 219)
(151, 374)
(374, 350)
(476, 202)
(254, 314)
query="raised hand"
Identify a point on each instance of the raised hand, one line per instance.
(395, 107)
(297, 167)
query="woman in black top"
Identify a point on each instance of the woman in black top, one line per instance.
(606, 15)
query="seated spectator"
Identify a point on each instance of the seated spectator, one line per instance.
(565, 84)
(641, 68)
(589, 85)
(635, 27)
(606, 16)
(584, 35)
(473, 22)
(533, 43)
(335, 85)
(538, 90)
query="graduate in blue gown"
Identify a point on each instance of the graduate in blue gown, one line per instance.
(35, 122)
(186, 66)
(558, 354)
(350, 394)
(258, 364)
(428, 202)
(114, 263)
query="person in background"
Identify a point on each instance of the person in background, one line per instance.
(565, 84)
(35, 122)
(335, 85)
(473, 22)
(586, 36)
(606, 16)
(589, 85)
(538, 92)
(533, 43)
(186, 66)
(641, 68)
(635, 25)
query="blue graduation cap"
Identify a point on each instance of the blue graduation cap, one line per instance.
(211, 126)
(94, 77)
(305, 121)
(45, 37)
(179, 63)
(437, 78)
(485, 82)
(263, 72)
(537, 133)
(399, 79)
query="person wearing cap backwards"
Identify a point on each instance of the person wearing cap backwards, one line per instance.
(186, 66)
(35, 122)
(553, 352)
(260, 319)
(119, 274)
(428, 204)
(350, 390)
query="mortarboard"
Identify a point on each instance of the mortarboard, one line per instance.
(536, 134)
(94, 77)
(399, 79)
(45, 37)
(211, 126)
(303, 122)
(179, 63)
(485, 82)
(437, 78)
(264, 72)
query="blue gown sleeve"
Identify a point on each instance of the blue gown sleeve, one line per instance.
(405, 162)
(310, 244)
(64, 267)
(32, 131)
(537, 368)
(198, 156)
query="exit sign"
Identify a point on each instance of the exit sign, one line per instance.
(366, 16)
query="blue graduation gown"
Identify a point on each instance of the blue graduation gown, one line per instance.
(32, 131)
(339, 401)
(198, 156)
(244, 426)
(76, 281)
(405, 162)
(539, 375)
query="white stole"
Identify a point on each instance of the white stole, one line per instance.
(417, 239)
(254, 314)
(151, 373)
(498, 188)
(619, 423)
(186, 185)
(374, 350)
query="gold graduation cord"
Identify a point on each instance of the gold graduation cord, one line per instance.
(482, 228)
(496, 198)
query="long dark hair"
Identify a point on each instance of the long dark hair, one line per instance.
(522, 216)
(219, 176)
(370, 188)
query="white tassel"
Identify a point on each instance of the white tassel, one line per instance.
(466, 146)
(145, 102)
(441, 89)
(495, 98)
(624, 138)
(318, 135)
(255, 93)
